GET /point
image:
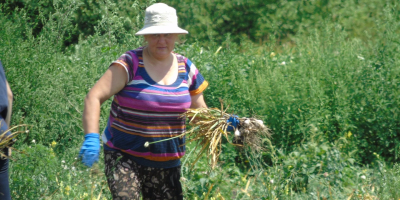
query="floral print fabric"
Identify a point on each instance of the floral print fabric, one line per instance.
(127, 179)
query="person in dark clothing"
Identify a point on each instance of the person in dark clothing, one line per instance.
(6, 98)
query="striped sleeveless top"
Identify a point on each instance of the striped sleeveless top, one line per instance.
(145, 111)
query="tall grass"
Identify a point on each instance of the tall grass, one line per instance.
(331, 100)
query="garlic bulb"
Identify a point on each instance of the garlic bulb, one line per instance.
(237, 133)
(260, 122)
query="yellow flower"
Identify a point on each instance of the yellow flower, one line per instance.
(272, 54)
(84, 195)
(349, 134)
(67, 188)
(53, 144)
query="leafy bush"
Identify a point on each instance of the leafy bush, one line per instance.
(332, 101)
(258, 19)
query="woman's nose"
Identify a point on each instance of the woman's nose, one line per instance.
(162, 38)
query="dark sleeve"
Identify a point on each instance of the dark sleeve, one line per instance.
(3, 93)
(197, 83)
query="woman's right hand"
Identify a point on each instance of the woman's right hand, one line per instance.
(90, 149)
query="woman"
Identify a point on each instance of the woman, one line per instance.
(6, 99)
(152, 87)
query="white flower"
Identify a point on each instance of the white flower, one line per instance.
(33, 141)
(63, 161)
(283, 63)
(146, 144)
(360, 57)
(363, 177)
(272, 181)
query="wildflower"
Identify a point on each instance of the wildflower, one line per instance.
(377, 155)
(33, 141)
(363, 177)
(283, 63)
(67, 189)
(272, 54)
(53, 144)
(272, 181)
(84, 195)
(63, 161)
(349, 134)
(326, 174)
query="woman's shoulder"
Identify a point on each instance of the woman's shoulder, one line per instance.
(138, 50)
(181, 58)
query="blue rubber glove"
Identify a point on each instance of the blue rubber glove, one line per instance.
(90, 149)
(233, 122)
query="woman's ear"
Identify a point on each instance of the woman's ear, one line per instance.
(144, 42)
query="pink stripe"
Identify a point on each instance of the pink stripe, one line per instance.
(195, 74)
(155, 91)
(147, 154)
(137, 77)
(155, 106)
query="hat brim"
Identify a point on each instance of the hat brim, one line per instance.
(161, 30)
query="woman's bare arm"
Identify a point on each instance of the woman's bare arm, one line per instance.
(113, 80)
(198, 101)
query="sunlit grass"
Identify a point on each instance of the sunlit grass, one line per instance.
(331, 102)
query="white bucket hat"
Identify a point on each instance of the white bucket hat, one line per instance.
(160, 19)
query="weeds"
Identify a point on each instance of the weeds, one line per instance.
(330, 99)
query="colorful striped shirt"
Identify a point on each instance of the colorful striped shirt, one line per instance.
(145, 111)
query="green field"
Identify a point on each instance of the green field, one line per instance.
(324, 76)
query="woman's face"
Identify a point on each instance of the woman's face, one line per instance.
(161, 45)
